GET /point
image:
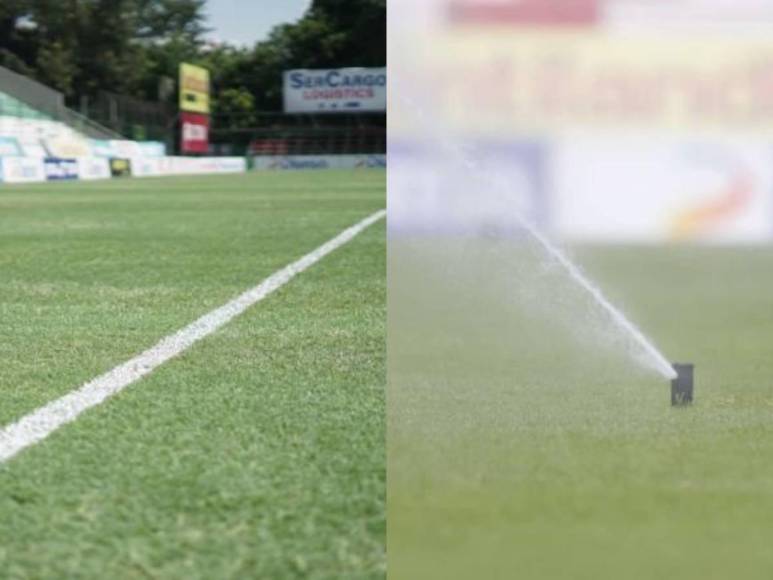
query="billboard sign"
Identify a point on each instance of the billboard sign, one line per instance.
(343, 90)
(194, 89)
(194, 133)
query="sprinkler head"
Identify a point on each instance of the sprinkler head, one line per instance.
(681, 386)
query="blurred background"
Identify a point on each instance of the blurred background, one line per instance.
(624, 120)
(527, 439)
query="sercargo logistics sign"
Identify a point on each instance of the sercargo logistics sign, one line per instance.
(342, 90)
(194, 89)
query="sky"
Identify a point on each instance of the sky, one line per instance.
(246, 21)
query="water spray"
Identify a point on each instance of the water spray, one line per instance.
(680, 375)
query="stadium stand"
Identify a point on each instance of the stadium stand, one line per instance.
(41, 139)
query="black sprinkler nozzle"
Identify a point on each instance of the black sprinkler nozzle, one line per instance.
(682, 385)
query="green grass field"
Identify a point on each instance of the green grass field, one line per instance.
(259, 452)
(524, 441)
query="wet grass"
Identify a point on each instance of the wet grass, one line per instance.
(526, 442)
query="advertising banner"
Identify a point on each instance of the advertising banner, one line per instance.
(231, 164)
(93, 168)
(194, 133)
(289, 162)
(203, 165)
(60, 169)
(120, 167)
(194, 89)
(21, 169)
(343, 90)
(177, 165)
(651, 190)
(146, 166)
(558, 82)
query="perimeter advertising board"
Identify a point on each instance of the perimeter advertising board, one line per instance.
(58, 169)
(21, 169)
(654, 189)
(289, 162)
(93, 168)
(343, 90)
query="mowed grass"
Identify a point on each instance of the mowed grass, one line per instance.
(526, 442)
(258, 453)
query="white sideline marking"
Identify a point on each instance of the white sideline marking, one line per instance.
(41, 423)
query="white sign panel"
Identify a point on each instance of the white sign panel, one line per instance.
(21, 170)
(188, 165)
(93, 168)
(343, 90)
(660, 190)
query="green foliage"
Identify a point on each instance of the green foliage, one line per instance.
(236, 107)
(82, 47)
(55, 66)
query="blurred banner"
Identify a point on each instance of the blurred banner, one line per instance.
(649, 190)
(614, 15)
(654, 120)
(342, 90)
(194, 88)
(564, 81)
(195, 133)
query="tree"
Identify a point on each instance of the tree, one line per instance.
(363, 24)
(83, 47)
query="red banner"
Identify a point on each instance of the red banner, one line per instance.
(194, 133)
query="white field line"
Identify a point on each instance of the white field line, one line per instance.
(39, 424)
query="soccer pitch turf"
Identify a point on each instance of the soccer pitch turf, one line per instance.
(257, 453)
(523, 446)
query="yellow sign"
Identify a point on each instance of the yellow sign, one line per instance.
(194, 89)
